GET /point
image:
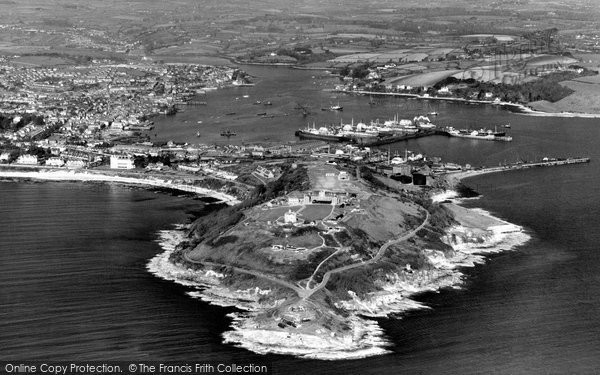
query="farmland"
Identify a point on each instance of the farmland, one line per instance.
(424, 79)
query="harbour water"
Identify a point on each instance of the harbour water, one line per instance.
(74, 256)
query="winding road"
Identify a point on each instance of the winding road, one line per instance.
(308, 292)
(305, 293)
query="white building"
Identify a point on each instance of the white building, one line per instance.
(55, 162)
(75, 164)
(27, 159)
(264, 172)
(290, 217)
(343, 176)
(121, 162)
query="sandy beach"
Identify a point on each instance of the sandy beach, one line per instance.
(87, 176)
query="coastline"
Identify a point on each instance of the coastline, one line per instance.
(520, 108)
(88, 176)
(475, 234)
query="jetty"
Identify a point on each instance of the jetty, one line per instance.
(455, 177)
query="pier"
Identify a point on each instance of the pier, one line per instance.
(453, 178)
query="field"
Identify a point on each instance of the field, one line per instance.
(585, 99)
(41, 61)
(314, 212)
(550, 60)
(397, 56)
(424, 79)
(501, 38)
(307, 241)
(384, 217)
(492, 74)
(275, 213)
(589, 59)
(325, 177)
(193, 48)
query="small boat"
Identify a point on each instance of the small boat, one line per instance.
(507, 126)
(227, 133)
(199, 122)
(336, 107)
(257, 102)
(262, 114)
(433, 113)
(268, 103)
(197, 133)
(245, 96)
(230, 114)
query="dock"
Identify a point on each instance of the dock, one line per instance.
(384, 140)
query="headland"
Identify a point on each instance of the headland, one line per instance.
(314, 255)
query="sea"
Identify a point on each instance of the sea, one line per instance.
(74, 256)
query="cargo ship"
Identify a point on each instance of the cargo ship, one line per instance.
(323, 133)
(372, 134)
(481, 134)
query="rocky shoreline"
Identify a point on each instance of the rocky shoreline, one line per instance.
(470, 244)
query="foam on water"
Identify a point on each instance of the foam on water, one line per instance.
(394, 298)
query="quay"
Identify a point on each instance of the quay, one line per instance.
(384, 140)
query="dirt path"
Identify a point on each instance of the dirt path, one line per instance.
(306, 292)
(376, 258)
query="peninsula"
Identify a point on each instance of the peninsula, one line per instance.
(310, 257)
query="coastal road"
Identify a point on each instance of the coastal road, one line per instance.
(308, 292)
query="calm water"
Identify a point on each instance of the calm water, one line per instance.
(73, 257)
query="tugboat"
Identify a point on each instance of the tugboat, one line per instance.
(227, 133)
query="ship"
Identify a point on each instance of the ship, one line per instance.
(423, 122)
(481, 134)
(323, 133)
(145, 125)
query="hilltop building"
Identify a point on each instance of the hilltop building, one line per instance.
(290, 217)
